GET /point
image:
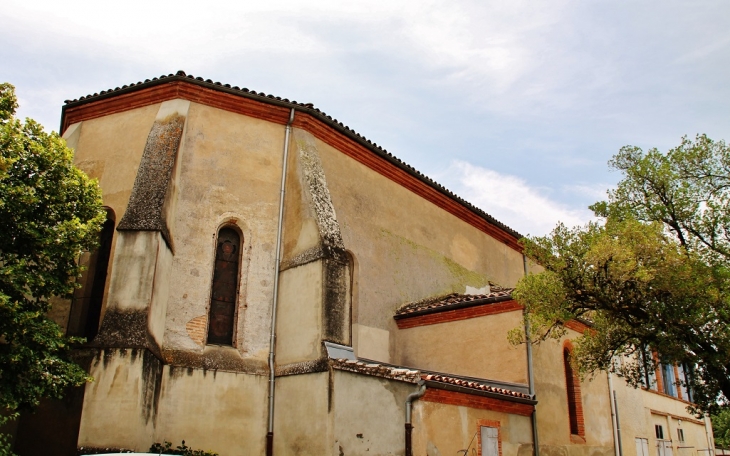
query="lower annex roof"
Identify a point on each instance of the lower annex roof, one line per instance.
(469, 385)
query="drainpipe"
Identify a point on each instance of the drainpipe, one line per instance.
(409, 427)
(530, 373)
(272, 341)
(710, 436)
(617, 449)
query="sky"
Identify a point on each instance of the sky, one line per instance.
(516, 106)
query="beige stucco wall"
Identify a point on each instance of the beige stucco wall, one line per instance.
(110, 148)
(214, 410)
(441, 429)
(302, 420)
(369, 414)
(229, 173)
(552, 408)
(113, 162)
(639, 410)
(117, 410)
(299, 315)
(476, 347)
(134, 401)
(400, 258)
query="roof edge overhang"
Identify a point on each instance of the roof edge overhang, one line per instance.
(276, 109)
(475, 392)
(460, 305)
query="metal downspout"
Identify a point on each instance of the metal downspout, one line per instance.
(272, 340)
(409, 427)
(530, 374)
(617, 449)
(710, 436)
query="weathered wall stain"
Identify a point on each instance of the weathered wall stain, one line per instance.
(215, 358)
(125, 329)
(151, 384)
(144, 212)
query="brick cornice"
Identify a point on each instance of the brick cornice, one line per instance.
(275, 110)
(479, 402)
(446, 315)
(577, 326)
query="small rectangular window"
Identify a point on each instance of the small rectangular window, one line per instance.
(680, 435)
(659, 430)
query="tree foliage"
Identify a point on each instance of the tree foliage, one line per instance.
(721, 428)
(50, 212)
(184, 450)
(653, 275)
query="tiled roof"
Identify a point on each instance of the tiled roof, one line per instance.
(454, 300)
(377, 370)
(470, 384)
(412, 376)
(304, 107)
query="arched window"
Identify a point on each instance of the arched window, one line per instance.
(575, 403)
(88, 300)
(224, 291)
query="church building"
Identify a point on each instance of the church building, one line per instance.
(270, 282)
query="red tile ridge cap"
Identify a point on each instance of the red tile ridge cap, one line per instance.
(470, 384)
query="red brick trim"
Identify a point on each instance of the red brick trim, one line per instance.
(492, 424)
(576, 422)
(676, 377)
(478, 402)
(447, 315)
(658, 375)
(577, 326)
(171, 91)
(145, 96)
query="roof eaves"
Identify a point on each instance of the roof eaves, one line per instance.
(458, 305)
(521, 398)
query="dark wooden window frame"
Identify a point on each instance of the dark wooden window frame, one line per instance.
(574, 397)
(224, 289)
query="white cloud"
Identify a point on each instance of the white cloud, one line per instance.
(512, 200)
(488, 46)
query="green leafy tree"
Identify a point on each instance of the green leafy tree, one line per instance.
(184, 450)
(653, 276)
(50, 212)
(721, 428)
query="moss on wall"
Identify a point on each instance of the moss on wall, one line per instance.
(454, 278)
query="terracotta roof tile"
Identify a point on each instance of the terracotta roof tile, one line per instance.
(307, 107)
(475, 385)
(496, 294)
(413, 376)
(377, 370)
